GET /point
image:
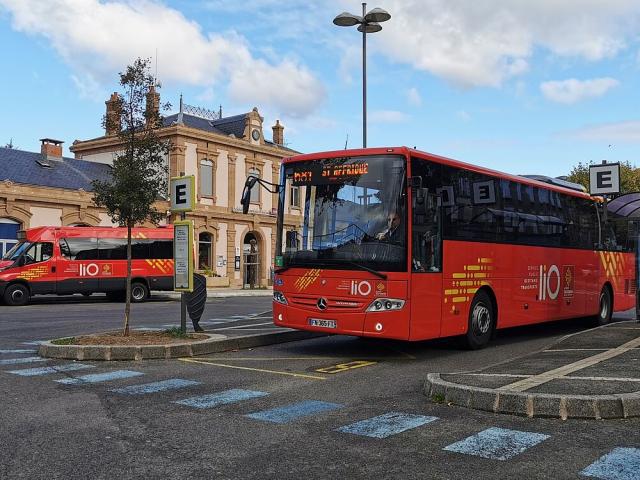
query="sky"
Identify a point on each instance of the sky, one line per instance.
(521, 86)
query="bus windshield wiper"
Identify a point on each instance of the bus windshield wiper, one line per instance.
(370, 270)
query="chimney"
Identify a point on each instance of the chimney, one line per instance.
(51, 149)
(152, 113)
(278, 133)
(112, 119)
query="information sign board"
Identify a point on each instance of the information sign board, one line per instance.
(183, 256)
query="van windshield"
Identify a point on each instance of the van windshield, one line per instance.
(16, 251)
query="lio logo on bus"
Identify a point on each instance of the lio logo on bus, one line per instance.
(551, 281)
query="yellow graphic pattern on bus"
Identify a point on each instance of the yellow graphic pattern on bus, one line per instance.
(613, 264)
(35, 272)
(464, 284)
(307, 279)
(165, 266)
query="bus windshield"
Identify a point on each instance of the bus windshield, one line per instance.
(16, 251)
(352, 214)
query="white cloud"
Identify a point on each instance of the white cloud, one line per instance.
(463, 115)
(485, 43)
(572, 90)
(98, 39)
(621, 132)
(388, 116)
(413, 97)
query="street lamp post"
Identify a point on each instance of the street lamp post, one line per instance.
(367, 23)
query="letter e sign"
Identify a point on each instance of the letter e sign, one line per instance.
(604, 179)
(182, 192)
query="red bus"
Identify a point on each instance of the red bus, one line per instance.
(68, 260)
(398, 243)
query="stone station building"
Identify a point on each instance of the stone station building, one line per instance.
(49, 189)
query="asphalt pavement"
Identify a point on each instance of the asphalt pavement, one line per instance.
(329, 407)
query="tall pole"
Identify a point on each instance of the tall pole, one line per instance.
(364, 80)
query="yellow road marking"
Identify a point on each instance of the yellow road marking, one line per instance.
(299, 375)
(343, 367)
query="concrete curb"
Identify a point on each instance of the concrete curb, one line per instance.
(214, 344)
(626, 405)
(268, 292)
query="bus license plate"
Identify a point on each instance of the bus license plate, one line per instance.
(319, 322)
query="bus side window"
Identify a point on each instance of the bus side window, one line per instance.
(426, 239)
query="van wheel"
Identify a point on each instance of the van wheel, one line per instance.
(481, 322)
(16, 295)
(605, 309)
(139, 292)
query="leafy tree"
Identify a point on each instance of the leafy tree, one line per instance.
(139, 174)
(629, 176)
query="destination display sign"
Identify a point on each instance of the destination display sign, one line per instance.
(316, 174)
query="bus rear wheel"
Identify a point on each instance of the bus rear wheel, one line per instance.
(481, 322)
(139, 292)
(16, 295)
(605, 309)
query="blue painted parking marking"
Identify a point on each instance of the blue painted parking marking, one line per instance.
(16, 361)
(386, 425)
(171, 384)
(32, 372)
(497, 443)
(221, 398)
(19, 350)
(619, 464)
(100, 377)
(294, 411)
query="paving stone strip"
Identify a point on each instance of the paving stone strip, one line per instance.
(527, 383)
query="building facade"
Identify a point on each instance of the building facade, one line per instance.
(232, 248)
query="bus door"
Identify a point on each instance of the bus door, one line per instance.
(426, 265)
(39, 268)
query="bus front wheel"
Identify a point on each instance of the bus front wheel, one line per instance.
(16, 295)
(481, 322)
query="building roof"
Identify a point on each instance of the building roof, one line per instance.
(224, 126)
(19, 166)
(233, 125)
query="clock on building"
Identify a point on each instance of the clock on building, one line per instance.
(255, 134)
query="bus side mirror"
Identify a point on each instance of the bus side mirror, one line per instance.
(246, 193)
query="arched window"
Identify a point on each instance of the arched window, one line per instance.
(255, 191)
(8, 234)
(205, 253)
(206, 178)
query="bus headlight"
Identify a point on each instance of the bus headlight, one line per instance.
(279, 297)
(385, 305)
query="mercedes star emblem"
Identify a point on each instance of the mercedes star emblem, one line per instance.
(322, 303)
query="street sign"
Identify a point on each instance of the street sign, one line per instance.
(604, 179)
(183, 194)
(183, 256)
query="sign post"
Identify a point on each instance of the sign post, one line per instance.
(183, 199)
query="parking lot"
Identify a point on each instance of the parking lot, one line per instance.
(329, 406)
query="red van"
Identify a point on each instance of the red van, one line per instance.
(68, 260)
